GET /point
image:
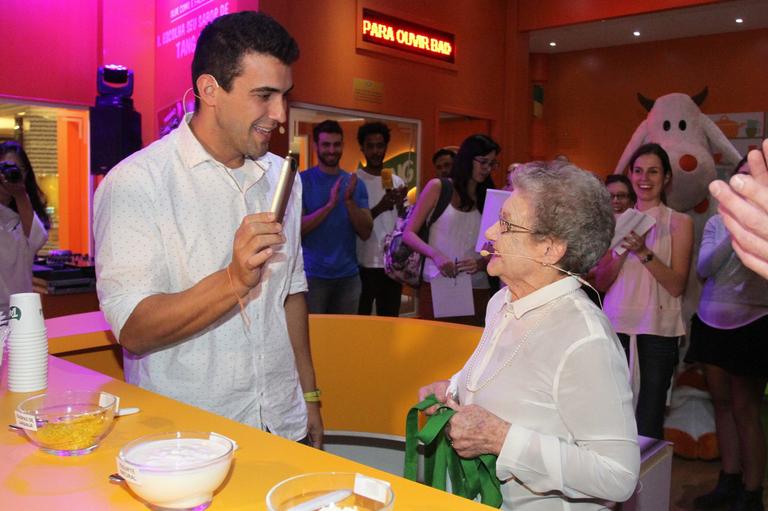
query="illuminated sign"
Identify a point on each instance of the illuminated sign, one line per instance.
(392, 32)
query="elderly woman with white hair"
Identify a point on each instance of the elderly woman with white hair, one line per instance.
(546, 389)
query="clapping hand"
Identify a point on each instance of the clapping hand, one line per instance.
(744, 207)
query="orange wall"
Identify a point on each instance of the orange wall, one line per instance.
(538, 14)
(590, 105)
(329, 62)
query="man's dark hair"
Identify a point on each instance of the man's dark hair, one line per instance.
(372, 128)
(225, 40)
(442, 152)
(327, 126)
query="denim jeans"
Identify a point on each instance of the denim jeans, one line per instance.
(333, 296)
(658, 357)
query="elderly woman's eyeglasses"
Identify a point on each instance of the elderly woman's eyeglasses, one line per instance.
(485, 162)
(509, 227)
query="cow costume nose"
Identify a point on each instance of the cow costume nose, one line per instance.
(688, 162)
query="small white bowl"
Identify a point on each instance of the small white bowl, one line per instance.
(179, 470)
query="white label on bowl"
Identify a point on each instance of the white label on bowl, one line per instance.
(128, 473)
(106, 397)
(26, 421)
(374, 489)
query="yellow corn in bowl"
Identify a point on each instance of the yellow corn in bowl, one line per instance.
(68, 423)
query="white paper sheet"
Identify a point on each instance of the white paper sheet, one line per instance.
(452, 296)
(630, 220)
(494, 199)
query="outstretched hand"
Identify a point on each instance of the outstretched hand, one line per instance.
(744, 207)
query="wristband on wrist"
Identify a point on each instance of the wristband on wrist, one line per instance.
(312, 396)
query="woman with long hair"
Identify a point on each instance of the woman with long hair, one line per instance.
(23, 221)
(450, 248)
(644, 286)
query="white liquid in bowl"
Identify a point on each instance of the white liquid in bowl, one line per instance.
(177, 473)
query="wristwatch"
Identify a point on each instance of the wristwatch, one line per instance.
(647, 259)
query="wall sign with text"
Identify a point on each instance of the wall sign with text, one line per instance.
(392, 32)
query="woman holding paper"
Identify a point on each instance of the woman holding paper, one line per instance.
(645, 283)
(546, 390)
(450, 248)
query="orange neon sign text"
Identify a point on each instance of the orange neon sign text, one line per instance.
(386, 30)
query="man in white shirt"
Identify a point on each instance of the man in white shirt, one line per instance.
(201, 285)
(388, 195)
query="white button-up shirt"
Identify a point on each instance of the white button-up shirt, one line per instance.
(164, 219)
(550, 365)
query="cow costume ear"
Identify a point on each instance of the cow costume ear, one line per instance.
(701, 96)
(646, 102)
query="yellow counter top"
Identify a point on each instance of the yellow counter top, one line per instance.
(32, 480)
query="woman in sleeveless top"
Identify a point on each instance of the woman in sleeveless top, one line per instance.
(452, 237)
(644, 286)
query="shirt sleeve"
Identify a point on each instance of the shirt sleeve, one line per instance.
(715, 248)
(130, 261)
(361, 195)
(37, 235)
(298, 279)
(601, 457)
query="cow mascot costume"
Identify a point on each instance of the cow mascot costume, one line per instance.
(693, 142)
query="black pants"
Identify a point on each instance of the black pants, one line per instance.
(381, 289)
(657, 357)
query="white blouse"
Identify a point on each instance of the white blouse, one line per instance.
(551, 365)
(17, 253)
(454, 234)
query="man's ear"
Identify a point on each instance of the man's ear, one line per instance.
(207, 87)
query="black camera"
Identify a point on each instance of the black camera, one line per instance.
(10, 171)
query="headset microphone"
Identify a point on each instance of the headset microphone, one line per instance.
(486, 253)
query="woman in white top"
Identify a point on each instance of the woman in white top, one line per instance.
(547, 389)
(729, 337)
(452, 237)
(644, 285)
(23, 222)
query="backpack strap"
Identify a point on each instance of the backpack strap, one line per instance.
(446, 192)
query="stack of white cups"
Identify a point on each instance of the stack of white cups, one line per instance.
(27, 344)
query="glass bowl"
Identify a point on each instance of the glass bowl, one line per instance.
(179, 470)
(67, 423)
(331, 491)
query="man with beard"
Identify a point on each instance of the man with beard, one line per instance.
(388, 193)
(201, 285)
(335, 214)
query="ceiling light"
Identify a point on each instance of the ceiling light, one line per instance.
(552, 43)
(739, 20)
(636, 33)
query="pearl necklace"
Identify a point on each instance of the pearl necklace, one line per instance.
(473, 358)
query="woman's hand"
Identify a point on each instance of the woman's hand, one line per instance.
(635, 243)
(438, 388)
(473, 430)
(17, 190)
(470, 265)
(446, 266)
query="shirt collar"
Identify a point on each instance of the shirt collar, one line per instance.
(193, 153)
(541, 296)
